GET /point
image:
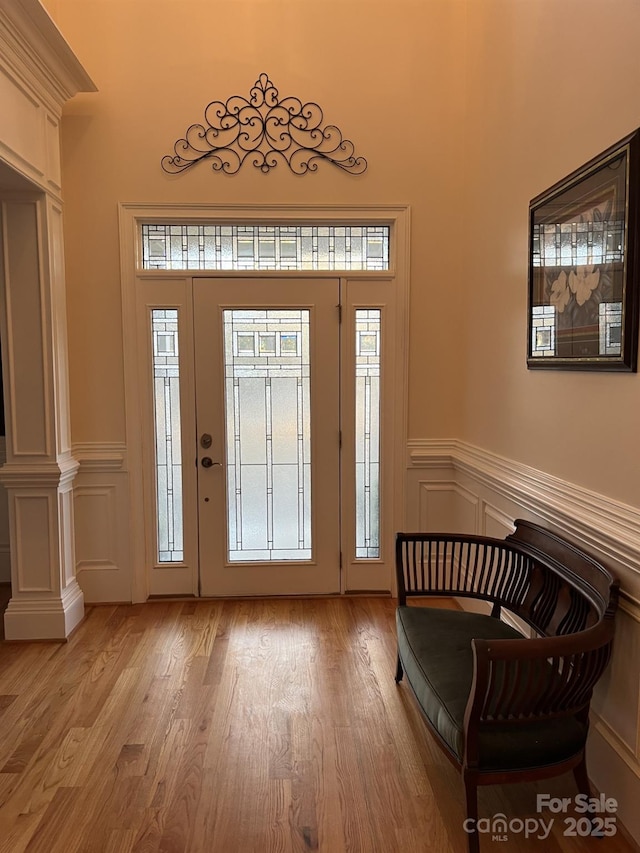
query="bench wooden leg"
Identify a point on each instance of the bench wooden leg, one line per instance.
(581, 777)
(582, 781)
(471, 793)
(399, 671)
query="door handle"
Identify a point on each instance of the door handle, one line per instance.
(207, 462)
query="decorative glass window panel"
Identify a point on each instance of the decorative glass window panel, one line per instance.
(367, 323)
(543, 330)
(610, 323)
(267, 400)
(265, 247)
(166, 400)
(578, 243)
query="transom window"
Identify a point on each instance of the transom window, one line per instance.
(264, 247)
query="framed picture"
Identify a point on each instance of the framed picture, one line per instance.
(584, 265)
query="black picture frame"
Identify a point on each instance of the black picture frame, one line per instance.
(583, 266)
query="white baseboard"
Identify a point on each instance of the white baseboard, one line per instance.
(46, 619)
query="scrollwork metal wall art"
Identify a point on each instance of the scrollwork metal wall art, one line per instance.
(264, 131)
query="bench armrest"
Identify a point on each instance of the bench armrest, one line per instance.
(516, 682)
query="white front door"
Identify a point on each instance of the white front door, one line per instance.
(267, 389)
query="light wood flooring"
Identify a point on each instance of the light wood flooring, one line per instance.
(262, 726)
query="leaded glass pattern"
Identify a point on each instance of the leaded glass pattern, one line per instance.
(610, 327)
(543, 330)
(573, 244)
(367, 429)
(166, 399)
(265, 247)
(268, 444)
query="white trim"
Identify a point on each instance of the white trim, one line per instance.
(98, 456)
(615, 742)
(16, 475)
(102, 531)
(38, 73)
(599, 522)
(130, 217)
(40, 49)
(45, 618)
(42, 73)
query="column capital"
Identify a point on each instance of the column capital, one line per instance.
(39, 473)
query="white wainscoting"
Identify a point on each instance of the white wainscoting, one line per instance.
(456, 487)
(5, 550)
(102, 528)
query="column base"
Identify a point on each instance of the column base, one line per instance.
(44, 618)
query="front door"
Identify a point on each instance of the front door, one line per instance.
(267, 387)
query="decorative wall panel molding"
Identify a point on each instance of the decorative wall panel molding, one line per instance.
(495, 522)
(609, 527)
(5, 550)
(102, 521)
(264, 130)
(446, 505)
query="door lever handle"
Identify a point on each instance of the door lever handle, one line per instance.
(207, 462)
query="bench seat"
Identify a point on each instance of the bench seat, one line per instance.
(435, 647)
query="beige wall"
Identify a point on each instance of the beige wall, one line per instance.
(393, 83)
(545, 86)
(551, 84)
(465, 110)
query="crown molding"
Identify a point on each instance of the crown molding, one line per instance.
(35, 46)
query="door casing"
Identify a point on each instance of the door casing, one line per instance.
(142, 289)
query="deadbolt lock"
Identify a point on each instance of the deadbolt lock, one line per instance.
(206, 440)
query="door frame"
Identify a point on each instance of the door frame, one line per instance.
(359, 576)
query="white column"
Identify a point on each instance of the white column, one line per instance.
(46, 601)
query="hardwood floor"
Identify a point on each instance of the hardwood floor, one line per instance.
(262, 726)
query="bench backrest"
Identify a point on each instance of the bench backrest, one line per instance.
(551, 584)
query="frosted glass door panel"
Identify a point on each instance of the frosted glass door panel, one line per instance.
(168, 441)
(268, 435)
(367, 432)
(268, 444)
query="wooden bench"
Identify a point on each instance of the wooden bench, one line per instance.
(505, 706)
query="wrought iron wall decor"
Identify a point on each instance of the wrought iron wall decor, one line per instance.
(265, 131)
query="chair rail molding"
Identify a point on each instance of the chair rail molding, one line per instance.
(100, 456)
(608, 526)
